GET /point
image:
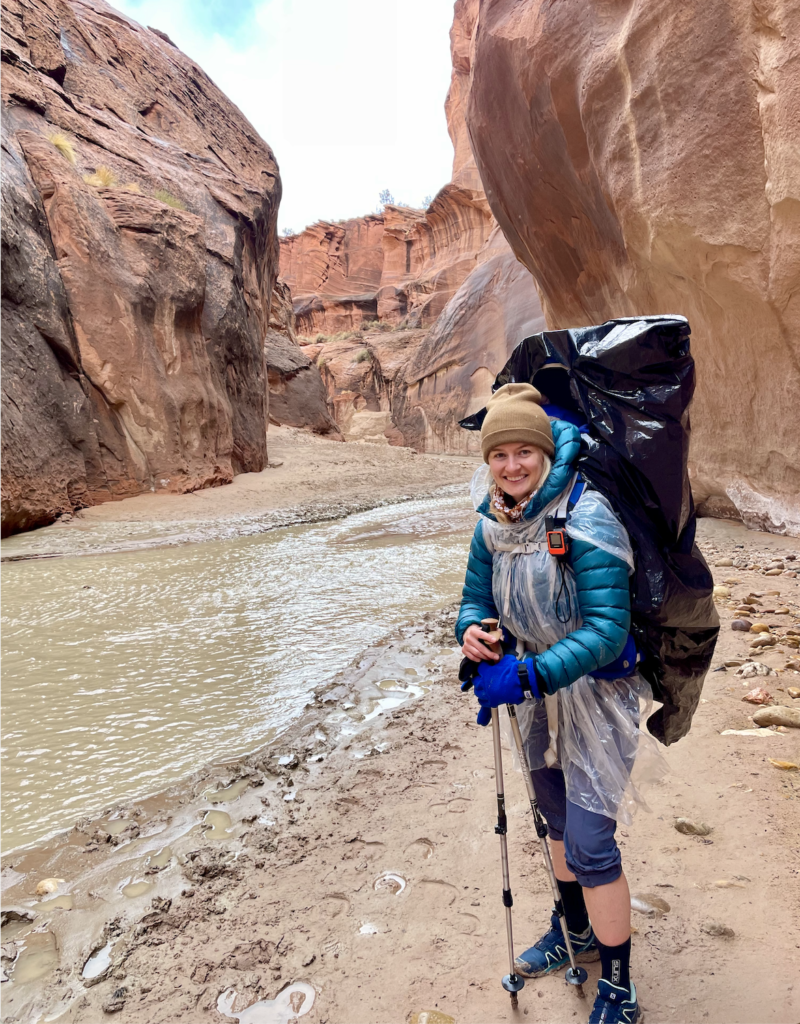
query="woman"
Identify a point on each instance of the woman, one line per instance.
(569, 619)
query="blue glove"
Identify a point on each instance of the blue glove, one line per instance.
(624, 665)
(499, 683)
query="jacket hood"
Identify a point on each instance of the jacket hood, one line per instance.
(567, 441)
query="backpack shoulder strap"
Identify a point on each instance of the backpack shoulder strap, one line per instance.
(575, 494)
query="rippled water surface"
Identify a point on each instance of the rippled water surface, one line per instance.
(124, 672)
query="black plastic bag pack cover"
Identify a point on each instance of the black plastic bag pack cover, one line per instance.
(632, 380)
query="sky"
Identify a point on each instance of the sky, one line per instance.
(348, 93)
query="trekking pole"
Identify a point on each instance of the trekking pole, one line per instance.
(511, 982)
(574, 975)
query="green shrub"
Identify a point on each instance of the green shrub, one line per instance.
(168, 199)
(362, 356)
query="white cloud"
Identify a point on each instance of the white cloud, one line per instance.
(349, 93)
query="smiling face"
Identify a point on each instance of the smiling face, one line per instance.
(516, 468)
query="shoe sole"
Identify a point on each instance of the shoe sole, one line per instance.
(587, 957)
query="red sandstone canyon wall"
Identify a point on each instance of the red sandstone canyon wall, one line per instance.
(139, 257)
(642, 158)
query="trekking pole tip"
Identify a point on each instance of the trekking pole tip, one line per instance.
(576, 976)
(512, 983)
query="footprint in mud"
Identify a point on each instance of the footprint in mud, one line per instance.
(294, 1001)
(99, 964)
(458, 805)
(423, 848)
(157, 861)
(335, 904)
(64, 902)
(229, 793)
(436, 890)
(346, 803)
(467, 924)
(364, 848)
(217, 825)
(391, 882)
(37, 955)
(136, 888)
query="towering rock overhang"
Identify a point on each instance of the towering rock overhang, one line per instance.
(642, 158)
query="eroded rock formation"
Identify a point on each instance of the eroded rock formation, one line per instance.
(139, 255)
(446, 275)
(297, 396)
(642, 158)
(400, 266)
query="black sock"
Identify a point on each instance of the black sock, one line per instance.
(574, 906)
(616, 963)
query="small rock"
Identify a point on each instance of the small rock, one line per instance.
(759, 627)
(773, 572)
(758, 696)
(742, 624)
(648, 904)
(309, 960)
(48, 885)
(754, 668)
(721, 592)
(687, 827)
(793, 691)
(723, 561)
(785, 766)
(778, 716)
(715, 928)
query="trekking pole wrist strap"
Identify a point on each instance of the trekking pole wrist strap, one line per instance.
(525, 680)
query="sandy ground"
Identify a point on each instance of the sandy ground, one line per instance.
(357, 878)
(310, 474)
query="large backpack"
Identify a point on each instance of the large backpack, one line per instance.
(631, 381)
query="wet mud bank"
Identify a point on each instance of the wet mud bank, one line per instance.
(77, 907)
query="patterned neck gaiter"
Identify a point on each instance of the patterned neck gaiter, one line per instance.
(498, 502)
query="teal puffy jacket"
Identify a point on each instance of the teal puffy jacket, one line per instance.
(601, 581)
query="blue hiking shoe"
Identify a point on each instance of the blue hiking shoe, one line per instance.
(550, 952)
(615, 1005)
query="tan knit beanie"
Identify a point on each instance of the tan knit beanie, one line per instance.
(514, 414)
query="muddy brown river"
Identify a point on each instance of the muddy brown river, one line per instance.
(125, 671)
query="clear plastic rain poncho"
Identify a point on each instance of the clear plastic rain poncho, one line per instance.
(591, 728)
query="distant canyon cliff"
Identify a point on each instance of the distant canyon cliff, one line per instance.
(411, 313)
(139, 257)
